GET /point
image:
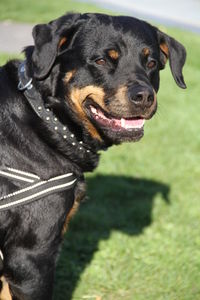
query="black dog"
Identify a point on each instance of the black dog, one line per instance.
(89, 82)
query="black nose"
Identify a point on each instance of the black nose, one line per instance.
(141, 95)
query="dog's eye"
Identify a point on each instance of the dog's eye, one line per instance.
(151, 64)
(100, 61)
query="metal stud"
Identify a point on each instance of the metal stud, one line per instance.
(64, 128)
(81, 142)
(73, 144)
(88, 151)
(55, 119)
(39, 107)
(72, 135)
(47, 118)
(80, 148)
(48, 110)
(56, 128)
(64, 136)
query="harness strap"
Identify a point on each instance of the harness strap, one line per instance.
(34, 191)
(18, 175)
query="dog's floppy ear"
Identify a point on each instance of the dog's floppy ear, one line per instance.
(48, 39)
(176, 53)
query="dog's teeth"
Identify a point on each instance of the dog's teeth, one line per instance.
(122, 122)
(101, 115)
(93, 110)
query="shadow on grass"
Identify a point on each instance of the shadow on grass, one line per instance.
(115, 203)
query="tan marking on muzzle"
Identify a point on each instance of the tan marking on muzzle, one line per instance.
(151, 109)
(69, 75)
(121, 101)
(113, 54)
(5, 291)
(122, 94)
(78, 96)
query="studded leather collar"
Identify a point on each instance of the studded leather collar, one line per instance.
(47, 115)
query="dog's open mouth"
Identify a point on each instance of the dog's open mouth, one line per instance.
(116, 124)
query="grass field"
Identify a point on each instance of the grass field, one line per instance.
(137, 237)
(41, 11)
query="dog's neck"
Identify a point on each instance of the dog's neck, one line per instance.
(69, 144)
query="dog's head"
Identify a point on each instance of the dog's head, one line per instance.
(104, 71)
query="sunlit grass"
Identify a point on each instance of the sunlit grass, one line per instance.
(38, 11)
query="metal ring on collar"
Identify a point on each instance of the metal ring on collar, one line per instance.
(27, 86)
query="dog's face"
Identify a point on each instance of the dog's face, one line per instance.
(105, 71)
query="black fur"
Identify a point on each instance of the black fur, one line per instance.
(30, 235)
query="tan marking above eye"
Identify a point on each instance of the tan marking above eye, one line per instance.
(69, 75)
(78, 96)
(114, 54)
(146, 51)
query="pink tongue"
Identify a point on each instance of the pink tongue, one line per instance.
(134, 123)
(124, 123)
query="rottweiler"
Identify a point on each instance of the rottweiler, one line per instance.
(88, 82)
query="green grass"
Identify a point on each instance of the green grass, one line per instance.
(137, 237)
(38, 11)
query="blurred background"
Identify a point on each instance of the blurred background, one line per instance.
(137, 236)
